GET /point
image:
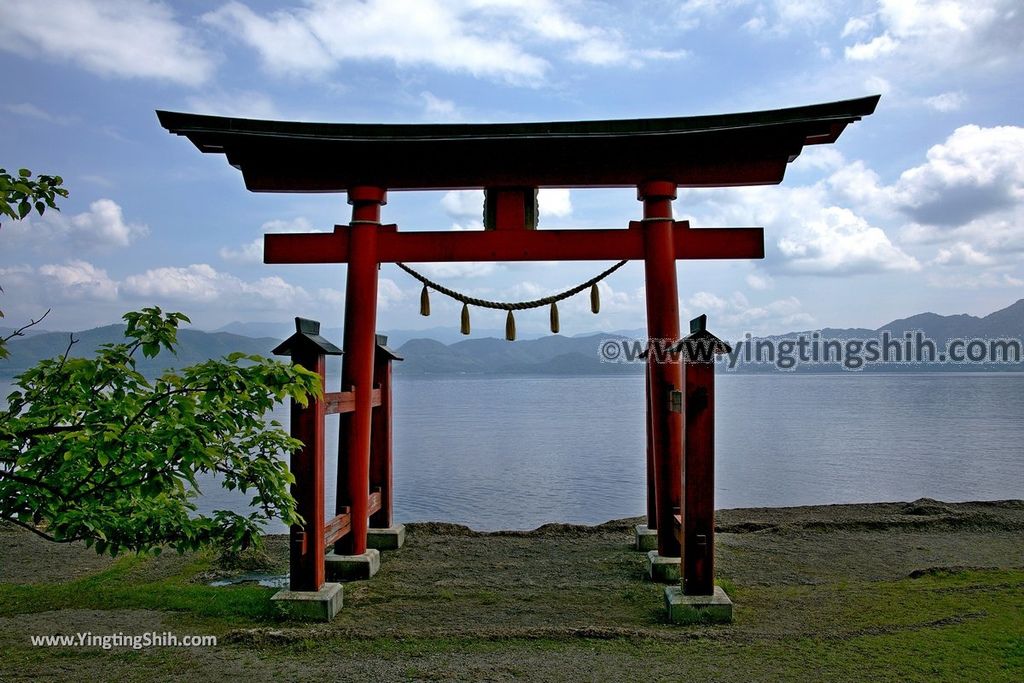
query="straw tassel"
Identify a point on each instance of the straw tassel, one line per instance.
(595, 299)
(465, 318)
(510, 327)
(424, 301)
(554, 318)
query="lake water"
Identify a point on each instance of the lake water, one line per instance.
(514, 453)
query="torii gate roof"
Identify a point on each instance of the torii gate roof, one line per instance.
(749, 148)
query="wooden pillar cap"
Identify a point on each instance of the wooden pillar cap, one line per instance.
(367, 194)
(656, 189)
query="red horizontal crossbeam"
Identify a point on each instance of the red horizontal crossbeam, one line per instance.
(345, 402)
(339, 525)
(514, 245)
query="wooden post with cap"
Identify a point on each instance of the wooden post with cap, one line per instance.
(306, 541)
(698, 351)
(380, 441)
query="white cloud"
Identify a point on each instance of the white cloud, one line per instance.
(836, 241)
(463, 203)
(335, 297)
(962, 254)
(120, 38)
(554, 202)
(315, 39)
(460, 204)
(691, 14)
(600, 52)
(457, 269)
(242, 104)
(812, 233)
(101, 227)
(201, 283)
(388, 293)
(437, 108)
(985, 33)
(877, 84)
(104, 223)
(772, 17)
(985, 280)
(861, 186)
(872, 49)
(78, 280)
(737, 314)
(31, 111)
(760, 281)
(69, 288)
(482, 38)
(976, 172)
(819, 157)
(947, 101)
(252, 252)
(755, 24)
(857, 25)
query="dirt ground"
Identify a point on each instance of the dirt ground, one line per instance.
(568, 602)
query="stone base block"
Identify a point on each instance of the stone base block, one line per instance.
(352, 567)
(662, 569)
(319, 605)
(697, 609)
(390, 538)
(646, 539)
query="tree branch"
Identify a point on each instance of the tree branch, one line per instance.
(38, 532)
(8, 474)
(20, 332)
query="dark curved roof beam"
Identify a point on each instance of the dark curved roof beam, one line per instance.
(722, 150)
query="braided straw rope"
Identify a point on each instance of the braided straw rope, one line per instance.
(514, 306)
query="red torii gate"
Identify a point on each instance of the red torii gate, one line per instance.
(510, 162)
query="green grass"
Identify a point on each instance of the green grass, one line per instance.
(943, 626)
(119, 587)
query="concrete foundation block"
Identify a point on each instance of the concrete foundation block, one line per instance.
(390, 538)
(352, 567)
(697, 609)
(319, 605)
(662, 569)
(646, 539)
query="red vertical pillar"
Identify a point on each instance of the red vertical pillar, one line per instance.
(698, 563)
(380, 443)
(665, 373)
(357, 365)
(306, 557)
(652, 501)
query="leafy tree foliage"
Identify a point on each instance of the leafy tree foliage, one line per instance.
(18, 196)
(21, 193)
(91, 450)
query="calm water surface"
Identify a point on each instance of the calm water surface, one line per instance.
(518, 452)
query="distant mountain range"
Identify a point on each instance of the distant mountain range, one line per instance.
(548, 355)
(194, 347)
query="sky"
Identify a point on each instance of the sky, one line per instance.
(919, 207)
